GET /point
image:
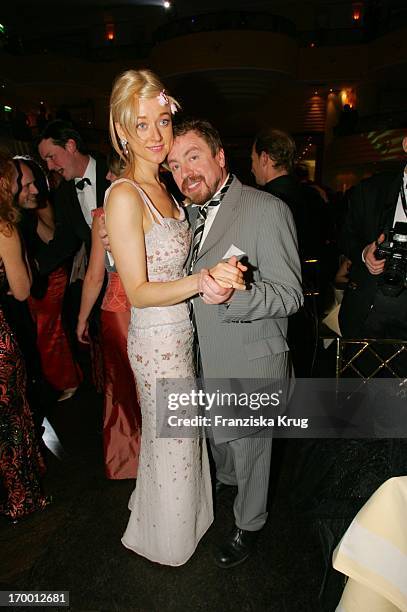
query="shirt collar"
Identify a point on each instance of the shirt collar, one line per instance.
(90, 172)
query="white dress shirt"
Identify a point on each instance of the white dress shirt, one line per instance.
(212, 212)
(87, 196)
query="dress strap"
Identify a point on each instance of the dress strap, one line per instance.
(154, 213)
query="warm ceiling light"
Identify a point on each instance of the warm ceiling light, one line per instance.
(167, 5)
(110, 32)
(357, 8)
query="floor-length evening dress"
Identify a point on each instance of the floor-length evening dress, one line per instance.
(121, 414)
(21, 464)
(171, 506)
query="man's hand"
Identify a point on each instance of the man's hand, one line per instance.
(211, 292)
(375, 266)
(103, 233)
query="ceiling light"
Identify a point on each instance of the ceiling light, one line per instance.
(167, 5)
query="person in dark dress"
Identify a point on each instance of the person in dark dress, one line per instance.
(21, 463)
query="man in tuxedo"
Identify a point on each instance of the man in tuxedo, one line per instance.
(64, 152)
(82, 190)
(241, 334)
(375, 205)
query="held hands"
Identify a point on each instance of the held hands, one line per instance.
(227, 273)
(375, 266)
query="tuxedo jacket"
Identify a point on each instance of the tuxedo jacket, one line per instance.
(71, 229)
(372, 206)
(247, 339)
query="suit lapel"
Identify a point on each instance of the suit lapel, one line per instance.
(228, 210)
(101, 182)
(389, 209)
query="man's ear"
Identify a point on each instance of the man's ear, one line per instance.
(221, 158)
(264, 159)
(405, 144)
(70, 145)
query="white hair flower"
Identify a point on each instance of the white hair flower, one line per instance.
(162, 98)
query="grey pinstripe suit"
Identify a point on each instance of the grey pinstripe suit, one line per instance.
(247, 339)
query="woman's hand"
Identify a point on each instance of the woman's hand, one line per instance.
(229, 274)
(82, 331)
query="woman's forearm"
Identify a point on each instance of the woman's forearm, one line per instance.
(150, 293)
(90, 292)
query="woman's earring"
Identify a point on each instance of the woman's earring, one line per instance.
(123, 143)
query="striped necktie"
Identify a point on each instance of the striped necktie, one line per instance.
(200, 221)
(196, 244)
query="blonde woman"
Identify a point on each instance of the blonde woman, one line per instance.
(171, 506)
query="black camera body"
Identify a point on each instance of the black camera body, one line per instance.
(394, 250)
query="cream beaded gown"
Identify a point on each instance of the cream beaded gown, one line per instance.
(171, 506)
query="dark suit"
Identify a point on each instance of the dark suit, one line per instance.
(308, 210)
(71, 229)
(365, 311)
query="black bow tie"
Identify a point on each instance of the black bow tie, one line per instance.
(82, 183)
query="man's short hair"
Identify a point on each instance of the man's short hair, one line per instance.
(278, 145)
(204, 129)
(60, 132)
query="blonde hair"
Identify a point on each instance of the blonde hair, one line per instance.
(128, 88)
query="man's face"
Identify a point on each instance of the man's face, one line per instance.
(197, 173)
(27, 197)
(60, 159)
(257, 168)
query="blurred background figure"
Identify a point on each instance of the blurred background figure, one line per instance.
(21, 464)
(47, 294)
(122, 417)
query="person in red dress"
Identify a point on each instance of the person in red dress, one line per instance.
(33, 197)
(122, 417)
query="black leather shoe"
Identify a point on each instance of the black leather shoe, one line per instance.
(237, 547)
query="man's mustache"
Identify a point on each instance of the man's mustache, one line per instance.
(191, 179)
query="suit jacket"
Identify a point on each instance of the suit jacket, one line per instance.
(308, 211)
(372, 206)
(71, 229)
(247, 338)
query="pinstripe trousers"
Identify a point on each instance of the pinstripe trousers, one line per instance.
(245, 463)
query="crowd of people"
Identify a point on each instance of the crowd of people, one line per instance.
(212, 288)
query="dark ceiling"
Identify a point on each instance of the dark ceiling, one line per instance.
(77, 26)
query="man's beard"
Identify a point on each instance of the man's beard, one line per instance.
(205, 192)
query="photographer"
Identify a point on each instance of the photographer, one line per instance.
(375, 301)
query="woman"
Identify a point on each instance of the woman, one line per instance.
(150, 240)
(122, 418)
(47, 293)
(21, 464)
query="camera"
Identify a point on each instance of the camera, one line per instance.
(394, 251)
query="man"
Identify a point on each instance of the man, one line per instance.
(376, 204)
(82, 190)
(64, 152)
(273, 159)
(241, 334)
